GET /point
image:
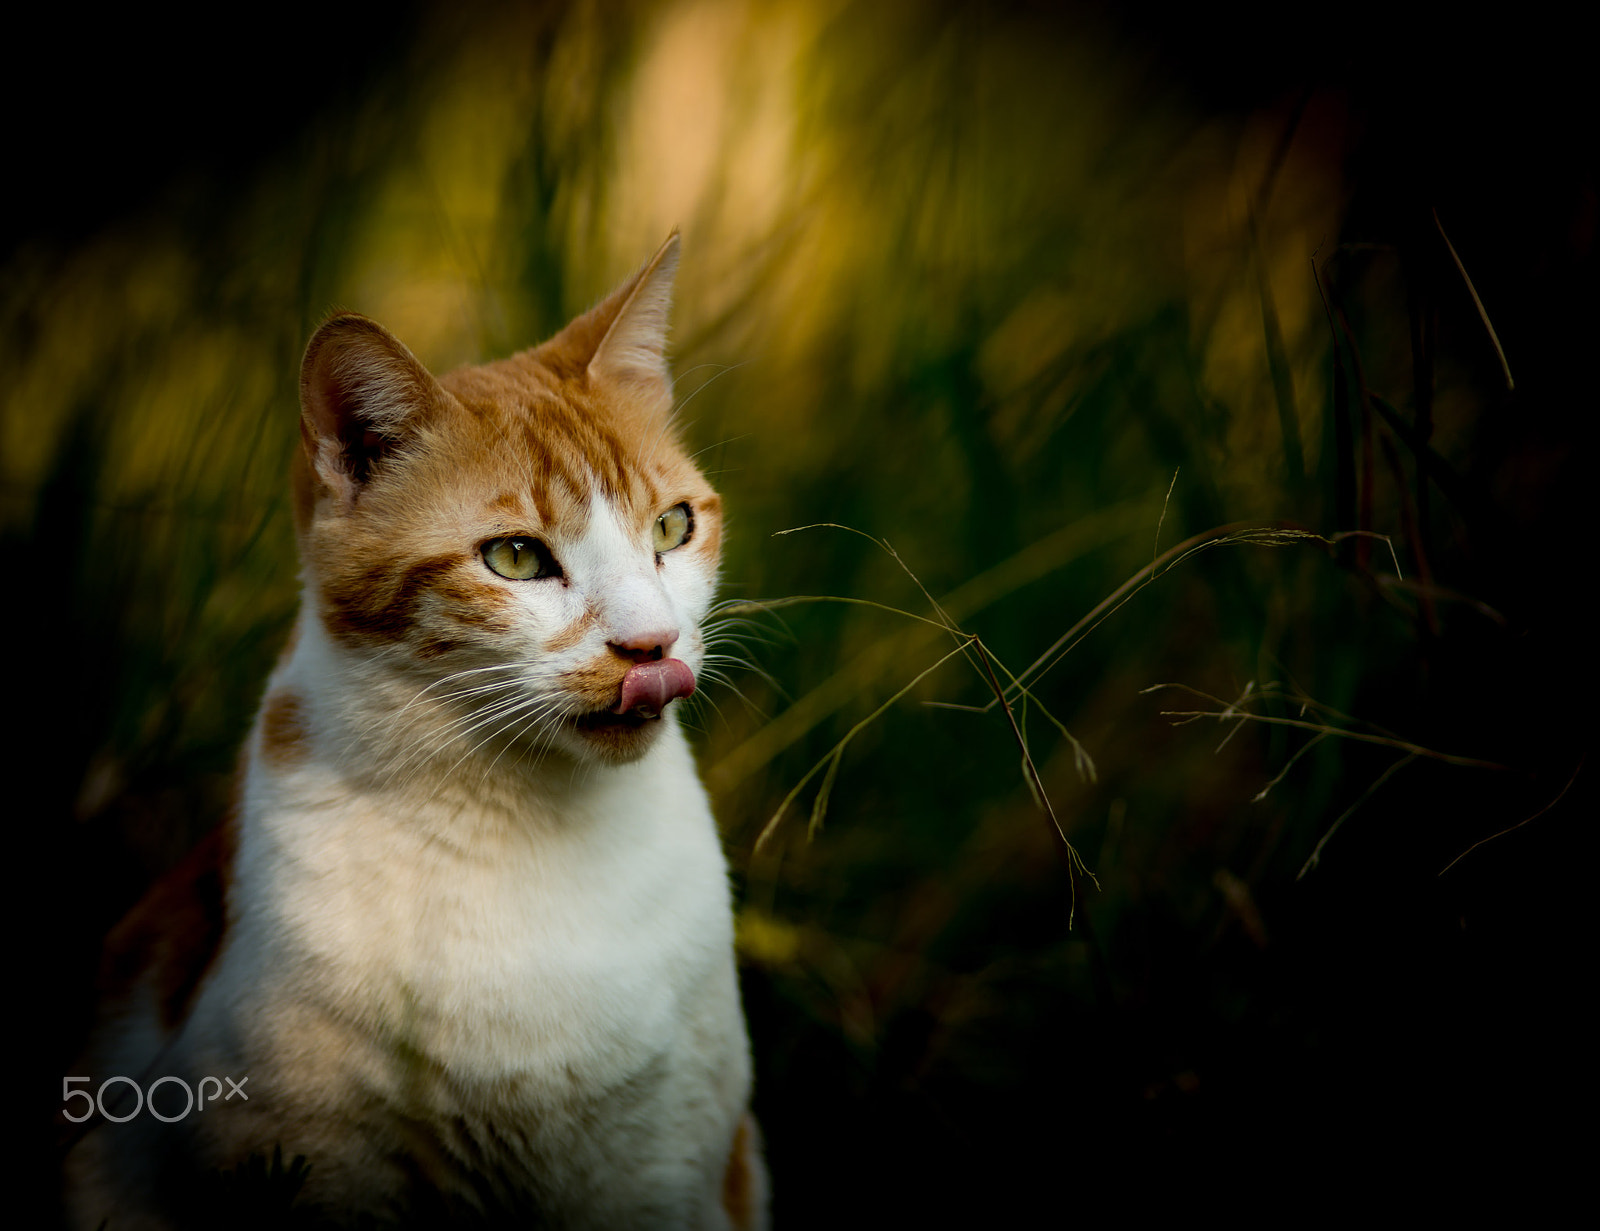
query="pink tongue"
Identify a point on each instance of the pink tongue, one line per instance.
(649, 686)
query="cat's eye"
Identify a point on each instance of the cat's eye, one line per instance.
(673, 528)
(520, 557)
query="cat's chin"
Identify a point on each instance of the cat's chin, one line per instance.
(609, 736)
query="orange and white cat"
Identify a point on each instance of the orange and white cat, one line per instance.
(468, 938)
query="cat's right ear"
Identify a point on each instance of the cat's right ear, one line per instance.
(362, 393)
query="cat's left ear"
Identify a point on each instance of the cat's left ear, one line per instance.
(634, 348)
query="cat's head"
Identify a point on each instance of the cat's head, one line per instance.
(522, 547)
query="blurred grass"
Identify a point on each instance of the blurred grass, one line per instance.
(978, 282)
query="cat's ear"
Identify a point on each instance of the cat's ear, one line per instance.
(362, 393)
(633, 348)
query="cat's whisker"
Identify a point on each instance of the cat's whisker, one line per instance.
(466, 719)
(677, 408)
(730, 649)
(752, 611)
(714, 623)
(725, 604)
(735, 633)
(512, 665)
(672, 420)
(715, 672)
(507, 709)
(721, 631)
(698, 703)
(727, 683)
(548, 711)
(510, 719)
(715, 661)
(419, 751)
(725, 441)
(415, 746)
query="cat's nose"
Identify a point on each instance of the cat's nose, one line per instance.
(646, 647)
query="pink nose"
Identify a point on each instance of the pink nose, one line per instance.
(649, 686)
(645, 647)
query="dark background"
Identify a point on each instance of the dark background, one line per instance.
(933, 1042)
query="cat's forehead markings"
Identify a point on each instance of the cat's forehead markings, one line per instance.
(550, 467)
(618, 472)
(523, 513)
(574, 448)
(652, 493)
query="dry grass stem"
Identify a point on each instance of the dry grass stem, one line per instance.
(1231, 535)
(1155, 548)
(1483, 313)
(1037, 786)
(1288, 765)
(1231, 712)
(845, 685)
(759, 605)
(968, 644)
(1277, 692)
(1383, 741)
(1513, 828)
(838, 748)
(1316, 855)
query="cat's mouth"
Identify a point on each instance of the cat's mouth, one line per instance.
(645, 692)
(610, 720)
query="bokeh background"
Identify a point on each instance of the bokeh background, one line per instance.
(1033, 294)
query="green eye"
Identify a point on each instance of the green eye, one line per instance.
(673, 528)
(520, 557)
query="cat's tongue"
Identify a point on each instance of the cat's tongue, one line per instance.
(649, 686)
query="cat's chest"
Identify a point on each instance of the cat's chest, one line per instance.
(580, 944)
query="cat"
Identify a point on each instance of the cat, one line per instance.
(466, 944)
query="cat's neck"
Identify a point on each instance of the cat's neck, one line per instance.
(422, 876)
